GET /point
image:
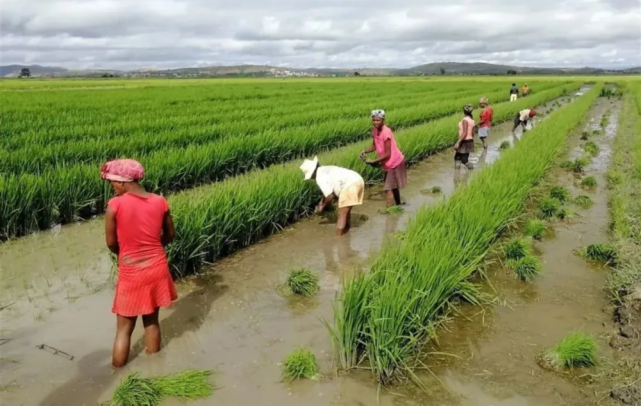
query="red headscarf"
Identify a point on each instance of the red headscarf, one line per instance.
(532, 113)
(122, 170)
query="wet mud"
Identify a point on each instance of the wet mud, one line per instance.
(233, 320)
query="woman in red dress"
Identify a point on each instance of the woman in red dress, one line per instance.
(138, 226)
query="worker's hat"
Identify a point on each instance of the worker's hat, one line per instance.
(308, 167)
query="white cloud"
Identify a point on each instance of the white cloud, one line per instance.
(128, 34)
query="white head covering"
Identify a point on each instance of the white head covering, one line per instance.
(308, 167)
(379, 114)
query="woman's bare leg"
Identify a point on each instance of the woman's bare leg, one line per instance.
(152, 332)
(389, 198)
(342, 226)
(122, 344)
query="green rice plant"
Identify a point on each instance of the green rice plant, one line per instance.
(597, 132)
(302, 282)
(136, 391)
(505, 145)
(600, 252)
(549, 207)
(436, 190)
(300, 364)
(577, 350)
(589, 181)
(583, 201)
(591, 148)
(615, 178)
(565, 213)
(535, 228)
(516, 248)
(385, 315)
(560, 193)
(575, 166)
(526, 268)
(585, 136)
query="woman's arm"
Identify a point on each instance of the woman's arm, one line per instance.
(385, 156)
(371, 148)
(168, 229)
(324, 202)
(111, 235)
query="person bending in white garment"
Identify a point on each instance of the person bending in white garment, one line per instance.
(336, 183)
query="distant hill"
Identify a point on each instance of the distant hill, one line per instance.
(449, 68)
(36, 70)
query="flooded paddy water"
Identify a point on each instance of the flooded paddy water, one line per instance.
(233, 320)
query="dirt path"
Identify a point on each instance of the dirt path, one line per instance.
(231, 320)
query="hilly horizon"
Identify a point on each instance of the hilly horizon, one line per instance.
(435, 68)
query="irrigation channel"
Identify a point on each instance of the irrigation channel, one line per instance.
(233, 320)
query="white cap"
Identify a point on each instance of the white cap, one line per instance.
(308, 167)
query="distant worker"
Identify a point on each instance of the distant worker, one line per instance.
(336, 183)
(522, 118)
(389, 156)
(138, 226)
(465, 144)
(485, 120)
(525, 91)
(514, 92)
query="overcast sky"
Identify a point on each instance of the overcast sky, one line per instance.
(131, 34)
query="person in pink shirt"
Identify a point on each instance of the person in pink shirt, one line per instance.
(390, 158)
(465, 144)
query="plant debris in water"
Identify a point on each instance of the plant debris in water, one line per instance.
(505, 145)
(526, 268)
(433, 191)
(560, 193)
(583, 201)
(535, 228)
(549, 207)
(300, 364)
(137, 391)
(302, 282)
(591, 148)
(600, 252)
(577, 350)
(588, 181)
(516, 249)
(393, 210)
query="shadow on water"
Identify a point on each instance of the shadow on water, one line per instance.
(94, 370)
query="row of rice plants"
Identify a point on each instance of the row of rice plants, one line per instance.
(31, 202)
(386, 314)
(216, 220)
(103, 115)
(37, 158)
(624, 182)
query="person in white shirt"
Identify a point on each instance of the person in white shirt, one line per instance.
(336, 183)
(522, 117)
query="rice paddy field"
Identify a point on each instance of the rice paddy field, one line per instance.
(490, 286)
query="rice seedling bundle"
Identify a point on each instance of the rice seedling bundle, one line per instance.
(300, 364)
(387, 313)
(560, 193)
(583, 201)
(516, 248)
(67, 193)
(600, 252)
(591, 148)
(549, 207)
(535, 228)
(526, 268)
(302, 282)
(137, 391)
(589, 181)
(577, 350)
(505, 145)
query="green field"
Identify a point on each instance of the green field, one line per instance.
(55, 134)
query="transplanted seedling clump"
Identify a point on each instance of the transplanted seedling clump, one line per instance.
(535, 228)
(505, 145)
(600, 252)
(526, 268)
(300, 364)
(577, 350)
(591, 148)
(583, 201)
(393, 210)
(589, 181)
(516, 248)
(549, 207)
(302, 282)
(560, 193)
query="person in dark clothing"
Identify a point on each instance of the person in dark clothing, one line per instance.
(514, 92)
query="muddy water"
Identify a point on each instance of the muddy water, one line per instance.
(231, 320)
